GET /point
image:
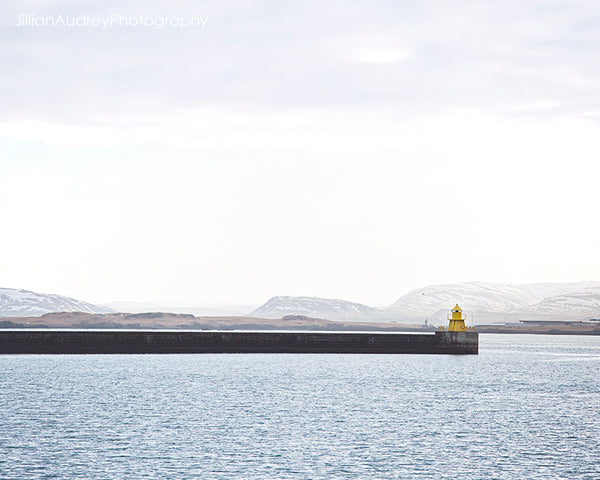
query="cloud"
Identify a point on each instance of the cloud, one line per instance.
(382, 55)
(375, 49)
(408, 59)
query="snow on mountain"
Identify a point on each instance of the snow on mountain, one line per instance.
(573, 306)
(315, 307)
(23, 303)
(435, 300)
(494, 302)
(548, 290)
(482, 303)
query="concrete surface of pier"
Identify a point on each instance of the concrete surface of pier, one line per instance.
(146, 341)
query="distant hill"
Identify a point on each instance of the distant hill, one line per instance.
(160, 320)
(572, 306)
(193, 309)
(482, 302)
(496, 302)
(331, 309)
(23, 303)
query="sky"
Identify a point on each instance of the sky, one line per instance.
(353, 150)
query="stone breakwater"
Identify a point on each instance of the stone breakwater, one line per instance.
(145, 341)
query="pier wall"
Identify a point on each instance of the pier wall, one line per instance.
(89, 342)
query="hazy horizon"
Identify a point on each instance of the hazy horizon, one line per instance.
(236, 308)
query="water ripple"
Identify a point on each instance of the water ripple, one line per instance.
(505, 414)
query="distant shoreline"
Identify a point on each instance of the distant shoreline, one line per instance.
(174, 321)
(162, 321)
(562, 329)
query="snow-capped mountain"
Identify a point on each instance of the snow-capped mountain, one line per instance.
(23, 303)
(482, 303)
(330, 309)
(573, 306)
(495, 302)
(435, 300)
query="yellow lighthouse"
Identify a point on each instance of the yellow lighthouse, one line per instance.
(457, 321)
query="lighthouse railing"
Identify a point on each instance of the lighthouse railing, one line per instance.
(443, 328)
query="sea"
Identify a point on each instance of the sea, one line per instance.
(526, 407)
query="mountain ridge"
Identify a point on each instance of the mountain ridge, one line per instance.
(22, 303)
(483, 303)
(277, 307)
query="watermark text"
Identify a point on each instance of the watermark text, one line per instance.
(114, 20)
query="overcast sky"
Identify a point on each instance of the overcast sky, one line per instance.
(351, 150)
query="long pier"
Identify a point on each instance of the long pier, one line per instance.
(156, 341)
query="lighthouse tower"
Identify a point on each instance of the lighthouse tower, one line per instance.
(457, 321)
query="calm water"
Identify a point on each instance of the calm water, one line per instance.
(528, 407)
